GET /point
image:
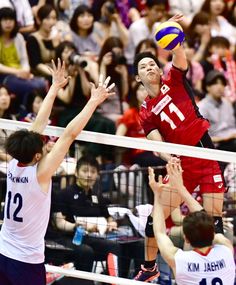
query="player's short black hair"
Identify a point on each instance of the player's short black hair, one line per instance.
(151, 3)
(87, 160)
(23, 145)
(198, 228)
(140, 56)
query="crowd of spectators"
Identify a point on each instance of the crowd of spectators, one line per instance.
(102, 37)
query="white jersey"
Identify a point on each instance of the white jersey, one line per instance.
(26, 215)
(217, 267)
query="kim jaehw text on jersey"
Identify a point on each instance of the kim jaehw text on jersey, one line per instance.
(206, 266)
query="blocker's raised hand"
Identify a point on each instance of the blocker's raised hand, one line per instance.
(103, 90)
(58, 74)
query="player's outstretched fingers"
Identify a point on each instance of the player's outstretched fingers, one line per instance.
(100, 80)
(106, 81)
(109, 88)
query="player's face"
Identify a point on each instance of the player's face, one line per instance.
(86, 176)
(148, 71)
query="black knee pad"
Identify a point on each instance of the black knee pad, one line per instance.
(149, 227)
(218, 222)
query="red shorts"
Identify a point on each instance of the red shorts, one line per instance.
(203, 173)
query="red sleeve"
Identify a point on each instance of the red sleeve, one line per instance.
(175, 76)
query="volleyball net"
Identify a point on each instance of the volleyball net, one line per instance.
(124, 185)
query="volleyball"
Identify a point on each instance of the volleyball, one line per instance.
(169, 35)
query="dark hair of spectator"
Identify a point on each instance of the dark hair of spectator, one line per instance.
(80, 10)
(198, 228)
(140, 56)
(133, 101)
(31, 98)
(87, 160)
(201, 18)
(109, 44)
(23, 145)
(148, 43)
(60, 48)
(8, 13)
(151, 3)
(7, 113)
(206, 7)
(231, 15)
(217, 41)
(44, 11)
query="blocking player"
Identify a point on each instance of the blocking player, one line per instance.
(28, 197)
(170, 114)
(211, 261)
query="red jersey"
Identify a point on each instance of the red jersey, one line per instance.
(173, 112)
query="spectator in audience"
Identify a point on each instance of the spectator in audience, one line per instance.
(218, 56)
(24, 15)
(145, 27)
(112, 62)
(219, 112)
(219, 25)
(74, 96)
(82, 34)
(78, 203)
(110, 24)
(14, 65)
(5, 113)
(41, 44)
(199, 34)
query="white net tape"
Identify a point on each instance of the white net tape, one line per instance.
(92, 276)
(136, 143)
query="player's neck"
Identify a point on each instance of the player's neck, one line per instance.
(203, 250)
(153, 89)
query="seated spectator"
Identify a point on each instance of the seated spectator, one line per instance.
(110, 24)
(79, 201)
(218, 56)
(82, 34)
(14, 66)
(75, 95)
(219, 25)
(5, 101)
(219, 111)
(24, 15)
(113, 63)
(199, 33)
(42, 43)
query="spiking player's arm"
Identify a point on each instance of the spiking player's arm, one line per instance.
(179, 59)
